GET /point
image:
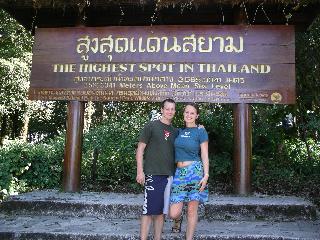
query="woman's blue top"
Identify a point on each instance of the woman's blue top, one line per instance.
(187, 144)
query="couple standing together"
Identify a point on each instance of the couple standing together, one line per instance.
(164, 151)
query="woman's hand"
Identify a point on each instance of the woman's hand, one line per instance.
(203, 182)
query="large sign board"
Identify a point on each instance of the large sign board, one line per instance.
(222, 64)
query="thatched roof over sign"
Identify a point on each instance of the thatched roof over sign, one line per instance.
(63, 3)
(59, 13)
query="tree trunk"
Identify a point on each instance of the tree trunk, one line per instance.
(3, 129)
(89, 111)
(94, 165)
(303, 136)
(15, 130)
(98, 115)
(304, 139)
(25, 127)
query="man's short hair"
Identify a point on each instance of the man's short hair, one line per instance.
(169, 100)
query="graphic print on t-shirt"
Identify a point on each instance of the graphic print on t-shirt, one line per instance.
(186, 135)
(166, 134)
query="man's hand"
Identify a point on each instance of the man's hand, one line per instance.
(140, 178)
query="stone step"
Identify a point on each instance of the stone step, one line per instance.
(114, 205)
(39, 227)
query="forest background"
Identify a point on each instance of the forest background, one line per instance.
(286, 146)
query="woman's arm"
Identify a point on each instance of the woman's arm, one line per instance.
(205, 162)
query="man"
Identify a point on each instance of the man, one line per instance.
(155, 168)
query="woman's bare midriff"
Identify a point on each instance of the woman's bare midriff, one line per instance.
(184, 164)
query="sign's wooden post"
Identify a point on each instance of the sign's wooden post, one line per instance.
(242, 133)
(242, 149)
(72, 159)
(73, 147)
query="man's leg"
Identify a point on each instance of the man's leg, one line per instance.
(145, 226)
(158, 226)
(153, 205)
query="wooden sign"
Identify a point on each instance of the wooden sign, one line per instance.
(222, 64)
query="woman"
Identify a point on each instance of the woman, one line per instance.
(191, 176)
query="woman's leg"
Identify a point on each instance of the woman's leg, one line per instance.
(175, 210)
(176, 214)
(192, 219)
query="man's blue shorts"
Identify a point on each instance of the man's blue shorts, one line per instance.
(156, 194)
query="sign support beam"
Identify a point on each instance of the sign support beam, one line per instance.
(242, 128)
(242, 153)
(73, 147)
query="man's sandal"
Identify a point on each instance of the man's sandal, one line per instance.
(176, 228)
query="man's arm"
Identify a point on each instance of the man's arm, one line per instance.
(139, 158)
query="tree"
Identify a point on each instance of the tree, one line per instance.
(15, 61)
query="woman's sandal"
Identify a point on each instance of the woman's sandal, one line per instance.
(176, 228)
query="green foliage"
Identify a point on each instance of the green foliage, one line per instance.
(308, 79)
(221, 166)
(114, 142)
(26, 166)
(15, 61)
(287, 176)
(287, 161)
(218, 121)
(47, 119)
(13, 88)
(15, 41)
